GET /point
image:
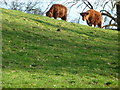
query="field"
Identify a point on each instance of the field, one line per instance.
(40, 52)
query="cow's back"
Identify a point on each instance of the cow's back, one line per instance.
(60, 9)
(95, 15)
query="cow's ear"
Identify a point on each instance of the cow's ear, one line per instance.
(86, 13)
(81, 14)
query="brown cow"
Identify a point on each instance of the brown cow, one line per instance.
(57, 11)
(92, 17)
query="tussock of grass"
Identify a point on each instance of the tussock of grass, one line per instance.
(42, 52)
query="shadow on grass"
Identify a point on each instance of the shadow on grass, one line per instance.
(26, 47)
(72, 30)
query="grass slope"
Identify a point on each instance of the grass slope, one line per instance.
(36, 54)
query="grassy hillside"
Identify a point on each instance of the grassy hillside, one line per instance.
(41, 52)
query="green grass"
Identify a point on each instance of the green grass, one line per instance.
(36, 55)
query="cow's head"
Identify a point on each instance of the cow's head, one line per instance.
(85, 15)
(49, 14)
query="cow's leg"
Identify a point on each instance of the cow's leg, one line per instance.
(55, 17)
(100, 25)
(64, 18)
(89, 23)
(94, 25)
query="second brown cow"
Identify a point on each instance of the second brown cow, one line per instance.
(57, 11)
(92, 17)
